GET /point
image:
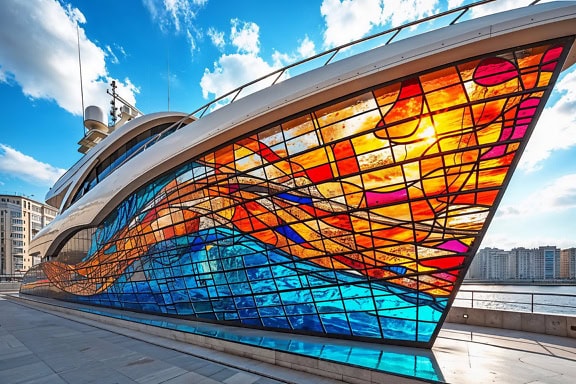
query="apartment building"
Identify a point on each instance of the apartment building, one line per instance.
(21, 218)
(542, 263)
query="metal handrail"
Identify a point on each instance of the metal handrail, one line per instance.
(233, 95)
(531, 303)
(334, 51)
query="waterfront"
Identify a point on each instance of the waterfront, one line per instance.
(521, 298)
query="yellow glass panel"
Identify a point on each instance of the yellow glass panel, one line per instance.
(388, 94)
(351, 126)
(369, 142)
(439, 79)
(446, 97)
(530, 57)
(298, 127)
(271, 136)
(345, 109)
(404, 110)
(452, 120)
(478, 93)
(544, 79)
(302, 143)
(311, 159)
(491, 177)
(376, 159)
(385, 180)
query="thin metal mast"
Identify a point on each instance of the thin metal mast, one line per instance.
(81, 82)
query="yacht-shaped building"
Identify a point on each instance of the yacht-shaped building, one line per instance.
(346, 201)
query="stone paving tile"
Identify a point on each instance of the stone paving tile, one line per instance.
(265, 380)
(210, 369)
(189, 363)
(17, 361)
(224, 374)
(187, 378)
(161, 375)
(242, 378)
(25, 374)
(38, 347)
(50, 379)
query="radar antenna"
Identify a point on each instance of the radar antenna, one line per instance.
(113, 108)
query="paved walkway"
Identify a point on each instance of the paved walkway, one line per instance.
(38, 347)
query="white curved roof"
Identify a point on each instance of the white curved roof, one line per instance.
(403, 58)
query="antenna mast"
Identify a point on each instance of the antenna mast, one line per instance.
(81, 82)
(168, 77)
(113, 107)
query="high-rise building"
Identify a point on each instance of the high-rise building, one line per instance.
(491, 264)
(21, 218)
(523, 260)
(568, 263)
(547, 263)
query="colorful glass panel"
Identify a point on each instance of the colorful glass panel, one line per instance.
(356, 219)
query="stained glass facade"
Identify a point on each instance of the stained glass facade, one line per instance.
(357, 219)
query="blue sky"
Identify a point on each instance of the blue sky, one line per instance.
(203, 48)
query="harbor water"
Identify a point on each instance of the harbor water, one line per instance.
(559, 299)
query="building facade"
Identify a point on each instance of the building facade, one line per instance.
(21, 218)
(542, 263)
(568, 263)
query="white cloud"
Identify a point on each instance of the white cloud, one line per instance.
(397, 12)
(454, 3)
(18, 165)
(217, 38)
(306, 48)
(113, 53)
(349, 20)
(171, 12)
(191, 41)
(43, 56)
(231, 71)
(495, 239)
(543, 217)
(112, 56)
(498, 6)
(245, 36)
(280, 59)
(177, 14)
(558, 195)
(555, 128)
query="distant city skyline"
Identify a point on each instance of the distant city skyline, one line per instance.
(546, 262)
(199, 49)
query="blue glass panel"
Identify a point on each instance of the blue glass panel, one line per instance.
(336, 323)
(267, 299)
(276, 322)
(364, 324)
(398, 329)
(306, 323)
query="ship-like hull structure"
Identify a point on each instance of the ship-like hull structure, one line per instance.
(345, 202)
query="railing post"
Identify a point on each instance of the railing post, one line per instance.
(532, 303)
(472, 300)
